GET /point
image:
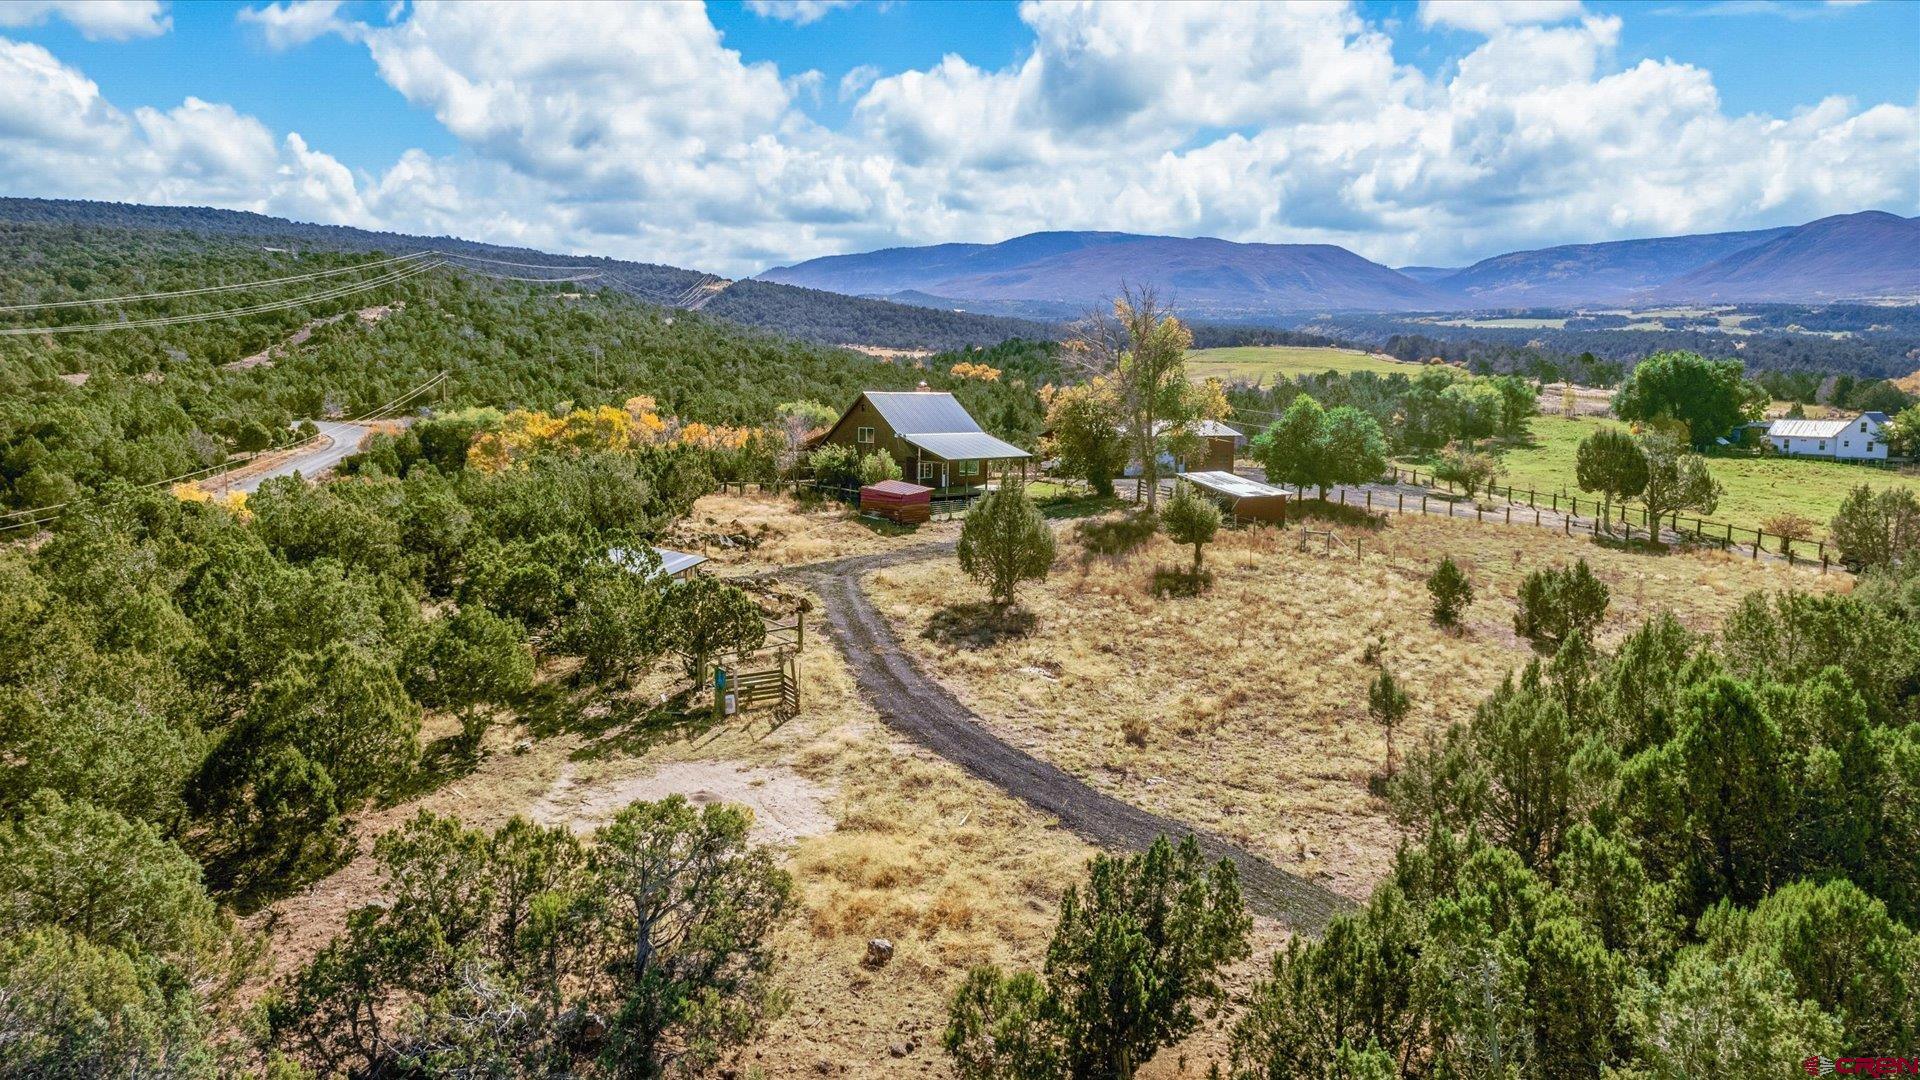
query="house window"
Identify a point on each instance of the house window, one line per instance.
(1869, 447)
(1846, 444)
(926, 470)
(864, 435)
(969, 468)
(1823, 444)
(1863, 425)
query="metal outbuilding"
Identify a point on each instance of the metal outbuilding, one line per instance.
(1246, 500)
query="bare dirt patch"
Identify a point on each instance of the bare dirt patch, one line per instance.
(786, 806)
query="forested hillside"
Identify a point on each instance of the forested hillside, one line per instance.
(78, 409)
(824, 318)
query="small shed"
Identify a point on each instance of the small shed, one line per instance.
(897, 500)
(1248, 500)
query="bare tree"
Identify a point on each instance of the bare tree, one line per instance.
(1142, 347)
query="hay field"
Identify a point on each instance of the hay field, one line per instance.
(1252, 698)
(1269, 364)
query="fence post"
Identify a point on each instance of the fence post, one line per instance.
(1402, 507)
(1423, 502)
(1477, 515)
(1823, 555)
(1369, 498)
(1343, 496)
(1556, 502)
(1509, 513)
(1529, 496)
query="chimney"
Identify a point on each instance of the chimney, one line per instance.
(923, 387)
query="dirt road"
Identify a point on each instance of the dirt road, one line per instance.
(918, 706)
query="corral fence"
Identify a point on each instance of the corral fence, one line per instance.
(1724, 535)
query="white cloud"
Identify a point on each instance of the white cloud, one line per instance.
(634, 131)
(1492, 16)
(60, 137)
(296, 22)
(110, 20)
(797, 12)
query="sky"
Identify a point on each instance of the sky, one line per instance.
(734, 136)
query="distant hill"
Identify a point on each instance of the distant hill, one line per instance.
(1059, 274)
(1848, 256)
(1063, 274)
(823, 318)
(1427, 273)
(1576, 275)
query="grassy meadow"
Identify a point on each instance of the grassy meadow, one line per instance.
(1757, 488)
(1271, 363)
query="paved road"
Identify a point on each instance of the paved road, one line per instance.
(340, 440)
(918, 706)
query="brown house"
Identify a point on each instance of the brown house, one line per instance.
(1219, 444)
(935, 440)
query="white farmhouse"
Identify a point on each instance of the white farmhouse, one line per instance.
(1857, 438)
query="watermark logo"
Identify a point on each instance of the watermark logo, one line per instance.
(1861, 1066)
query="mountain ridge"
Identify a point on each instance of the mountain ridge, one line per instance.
(1056, 274)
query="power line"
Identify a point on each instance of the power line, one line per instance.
(263, 283)
(503, 262)
(389, 278)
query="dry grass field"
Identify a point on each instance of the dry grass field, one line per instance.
(764, 532)
(884, 839)
(1247, 705)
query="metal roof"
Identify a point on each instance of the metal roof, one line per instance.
(1818, 429)
(896, 487)
(922, 412)
(964, 445)
(1233, 484)
(672, 563)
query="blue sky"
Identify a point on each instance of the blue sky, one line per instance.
(747, 133)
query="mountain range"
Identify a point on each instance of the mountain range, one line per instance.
(1868, 255)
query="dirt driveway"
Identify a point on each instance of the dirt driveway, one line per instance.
(915, 704)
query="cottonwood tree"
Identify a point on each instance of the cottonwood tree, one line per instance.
(1143, 348)
(1086, 434)
(1191, 519)
(1611, 463)
(1708, 397)
(1313, 447)
(1004, 541)
(1353, 450)
(1290, 448)
(1136, 949)
(1677, 479)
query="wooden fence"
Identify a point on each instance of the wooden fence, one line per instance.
(1722, 534)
